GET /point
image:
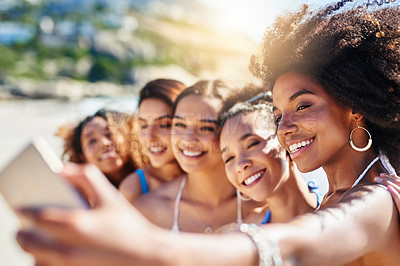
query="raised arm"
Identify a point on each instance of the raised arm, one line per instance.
(364, 221)
(392, 182)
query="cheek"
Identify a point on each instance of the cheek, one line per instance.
(165, 137)
(230, 174)
(88, 156)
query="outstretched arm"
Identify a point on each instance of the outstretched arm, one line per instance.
(114, 233)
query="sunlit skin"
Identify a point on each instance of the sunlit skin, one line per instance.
(155, 120)
(99, 148)
(306, 115)
(250, 149)
(195, 139)
(208, 199)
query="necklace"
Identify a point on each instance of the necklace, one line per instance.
(208, 229)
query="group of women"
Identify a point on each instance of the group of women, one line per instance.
(335, 80)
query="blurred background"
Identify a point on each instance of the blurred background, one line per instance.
(61, 60)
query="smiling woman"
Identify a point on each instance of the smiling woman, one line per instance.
(202, 200)
(101, 139)
(155, 119)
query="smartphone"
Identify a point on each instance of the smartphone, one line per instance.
(32, 179)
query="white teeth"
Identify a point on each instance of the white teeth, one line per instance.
(295, 147)
(156, 149)
(191, 153)
(106, 155)
(253, 178)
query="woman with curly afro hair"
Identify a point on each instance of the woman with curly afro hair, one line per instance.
(335, 78)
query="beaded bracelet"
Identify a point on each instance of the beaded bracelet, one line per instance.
(268, 251)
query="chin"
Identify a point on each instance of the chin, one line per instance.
(306, 168)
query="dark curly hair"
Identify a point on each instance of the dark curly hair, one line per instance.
(354, 54)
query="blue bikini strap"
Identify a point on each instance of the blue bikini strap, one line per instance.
(143, 182)
(267, 218)
(313, 186)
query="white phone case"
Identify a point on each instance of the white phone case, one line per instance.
(32, 179)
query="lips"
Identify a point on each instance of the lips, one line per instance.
(300, 145)
(108, 155)
(192, 153)
(157, 149)
(253, 178)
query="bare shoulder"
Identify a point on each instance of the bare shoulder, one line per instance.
(370, 194)
(130, 187)
(158, 205)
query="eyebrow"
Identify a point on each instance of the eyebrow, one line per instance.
(202, 120)
(295, 95)
(242, 138)
(158, 118)
(299, 93)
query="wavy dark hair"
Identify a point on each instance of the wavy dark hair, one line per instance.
(354, 54)
(163, 89)
(218, 89)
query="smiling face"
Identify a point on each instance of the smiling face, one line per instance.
(99, 148)
(195, 139)
(311, 125)
(155, 118)
(255, 163)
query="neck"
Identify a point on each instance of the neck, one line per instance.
(167, 172)
(291, 198)
(342, 171)
(116, 177)
(210, 186)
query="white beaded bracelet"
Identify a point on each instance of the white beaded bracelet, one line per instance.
(268, 251)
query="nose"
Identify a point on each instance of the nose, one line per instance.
(150, 133)
(243, 164)
(189, 135)
(107, 143)
(287, 125)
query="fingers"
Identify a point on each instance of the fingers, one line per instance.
(48, 252)
(91, 182)
(392, 182)
(383, 178)
(65, 225)
(395, 192)
(41, 247)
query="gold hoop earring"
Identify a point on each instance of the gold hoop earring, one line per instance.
(241, 196)
(369, 144)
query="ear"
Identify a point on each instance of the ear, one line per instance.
(356, 117)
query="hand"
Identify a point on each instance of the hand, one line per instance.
(392, 182)
(112, 233)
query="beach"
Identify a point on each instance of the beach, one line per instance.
(21, 121)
